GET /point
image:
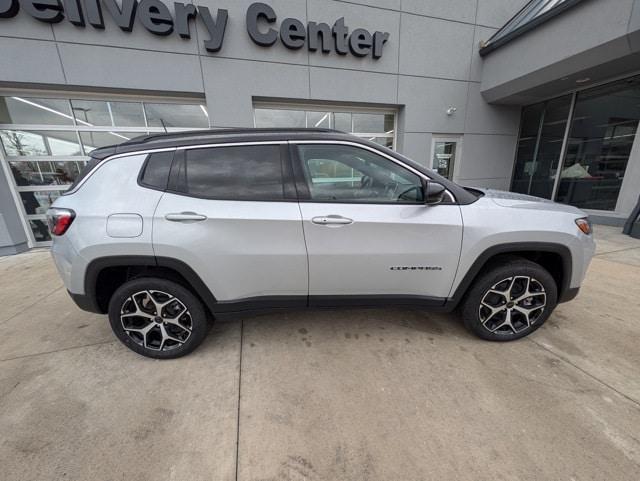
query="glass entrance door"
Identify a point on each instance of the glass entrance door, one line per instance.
(444, 155)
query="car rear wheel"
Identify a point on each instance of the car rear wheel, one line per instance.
(509, 300)
(157, 318)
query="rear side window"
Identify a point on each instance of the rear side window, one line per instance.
(251, 172)
(156, 170)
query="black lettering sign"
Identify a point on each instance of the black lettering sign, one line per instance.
(49, 11)
(320, 33)
(94, 13)
(340, 33)
(261, 11)
(292, 33)
(73, 11)
(155, 16)
(215, 28)
(184, 13)
(360, 42)
(124, 18)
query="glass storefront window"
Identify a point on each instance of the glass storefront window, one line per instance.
(40, 230)
(94, 113)
(273, 118)
(343, 121)
(540, 146)
(376, 127)
(95, 140)
(31, 173)
(319, 119)
(37, 202)
(21, 143)
(372, 123)
(185, 116)
(602, 133)
(34, 111)
(45, 142)
(597, 141)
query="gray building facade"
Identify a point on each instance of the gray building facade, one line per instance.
(429, 78)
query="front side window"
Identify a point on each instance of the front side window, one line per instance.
(233, 173)
(342, 173)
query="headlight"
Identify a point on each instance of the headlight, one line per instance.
(584, 224)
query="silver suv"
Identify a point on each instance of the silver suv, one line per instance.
(168, 232)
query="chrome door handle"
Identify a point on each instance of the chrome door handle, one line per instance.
(332, 220)
(185, 217)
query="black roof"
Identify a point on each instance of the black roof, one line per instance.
(195, 137)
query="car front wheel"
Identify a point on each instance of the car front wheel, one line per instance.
(510, 300)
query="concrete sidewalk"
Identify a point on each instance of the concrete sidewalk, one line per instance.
(357, 395)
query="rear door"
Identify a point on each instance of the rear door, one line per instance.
(232, 215)
(369, 236)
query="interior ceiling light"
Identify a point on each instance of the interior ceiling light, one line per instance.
(583, 80)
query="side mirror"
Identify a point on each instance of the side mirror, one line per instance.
(433, 193)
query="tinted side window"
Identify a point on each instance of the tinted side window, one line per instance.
(156, 170)
(341, 173)
(252, 172)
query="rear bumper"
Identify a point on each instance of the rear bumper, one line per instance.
(86, 303)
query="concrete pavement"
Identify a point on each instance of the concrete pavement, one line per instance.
(351, 395)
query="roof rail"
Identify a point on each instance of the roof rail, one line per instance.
(223, 131)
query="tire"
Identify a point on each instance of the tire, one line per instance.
(497, 307)
(157, 318)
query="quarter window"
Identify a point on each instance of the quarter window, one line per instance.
(341, 173)
(156, 170)
(233, 173)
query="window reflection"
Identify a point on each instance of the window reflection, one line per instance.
(21, 143)
(371, 123)
(94, 113)
(540, 146)
(95, 140)
(272, 118)
(34, 111)
(320, 120)
(175, 115)
(378, 128)
(40, 230)
(342, 121)
(37, 203)
(45, 172)
(602, 134)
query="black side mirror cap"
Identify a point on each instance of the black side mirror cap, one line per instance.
(433, 192)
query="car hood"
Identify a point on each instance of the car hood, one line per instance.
(523, 201)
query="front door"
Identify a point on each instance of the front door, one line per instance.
(367, 230)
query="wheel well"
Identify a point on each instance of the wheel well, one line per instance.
(111, 278)
(555, 262)
(551, 261)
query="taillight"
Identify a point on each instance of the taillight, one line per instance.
(59, 220)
